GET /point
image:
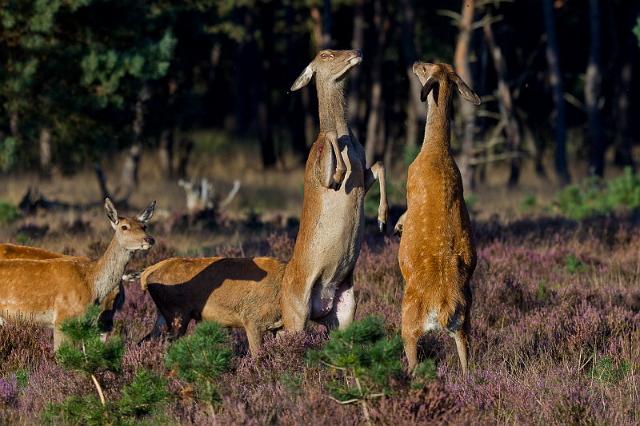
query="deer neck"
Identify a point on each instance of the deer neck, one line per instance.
(332, 107)
(108, 270)
(437, 132)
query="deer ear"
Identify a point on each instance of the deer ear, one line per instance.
(147, 214)
(112, 213)
(465, 91)
(431, 84)
(303, 79)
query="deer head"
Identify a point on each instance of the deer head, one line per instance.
(329, 66)
(131, 232)
(431, 76)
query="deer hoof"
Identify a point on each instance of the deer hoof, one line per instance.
(397, 230)
(338, 176)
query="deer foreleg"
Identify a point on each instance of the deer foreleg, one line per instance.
(341, 168)
(370, 175)
(400, 224)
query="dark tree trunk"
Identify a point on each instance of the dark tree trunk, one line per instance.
(185, 147)
(264, 57)
(415, 109)
(44, 141)
(374, 143)
(593, 91)
(357, 42)
(467, 110)
(505, 100)
(555, 79)
(166, 152)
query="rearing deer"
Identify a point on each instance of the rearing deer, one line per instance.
(437, 255)
(52, 290)
(318, 280)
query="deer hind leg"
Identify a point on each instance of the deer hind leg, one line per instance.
(462, 345)
(159, 327)
(412, 329)
(344, 307)
(254, 336)
(377, 171)
(58, 337)
(296, 306)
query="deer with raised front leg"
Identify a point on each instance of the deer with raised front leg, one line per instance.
(318, 280)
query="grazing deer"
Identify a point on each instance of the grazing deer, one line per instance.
(241, 293)
(52, 290)
(318, 280)
(437, 255)
(109, 306)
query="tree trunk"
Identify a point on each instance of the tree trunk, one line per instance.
(129, 175)
(415, 109)
(512, 129)
(624, 154)
(592, 91)
(375, 139)
(264, 57)
(185, 147)
(555, 79)
(467, 110)
(166, 152)
(45, 151)
(357, 42)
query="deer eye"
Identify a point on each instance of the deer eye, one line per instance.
(326, 55)
(125, 227)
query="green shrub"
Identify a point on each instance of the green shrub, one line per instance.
(636, 30)
(8, 213)
(363, 359)
(595, 196)
(606, 371)
(201, 358)
(574, 264)
(84, 350)
(77, 410)
(142, 395)
(425, 372)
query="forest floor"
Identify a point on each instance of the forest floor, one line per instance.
(555, 319)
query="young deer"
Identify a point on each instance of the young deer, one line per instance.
(52, 290)
(242, 293)
(437, 255)
(318, 280)
(108, 307)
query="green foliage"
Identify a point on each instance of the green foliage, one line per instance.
(574, 264)
(141, 397)
(542, 292)
(425, 372)
(528, 202)
(636, 30)
(595, 196)
(606, 370)
(84, 350)
(362, 357)
(77, 410)
(8, 213)
(22, 377)
(409, 153)
(201, 358)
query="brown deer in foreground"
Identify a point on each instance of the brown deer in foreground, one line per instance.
(52, 290)
(437, 255)
(318, 280)
(242, 293)
(108, 307)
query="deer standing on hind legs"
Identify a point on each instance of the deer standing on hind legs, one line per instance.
(437, 255)
(51, 290)
(318, 280)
